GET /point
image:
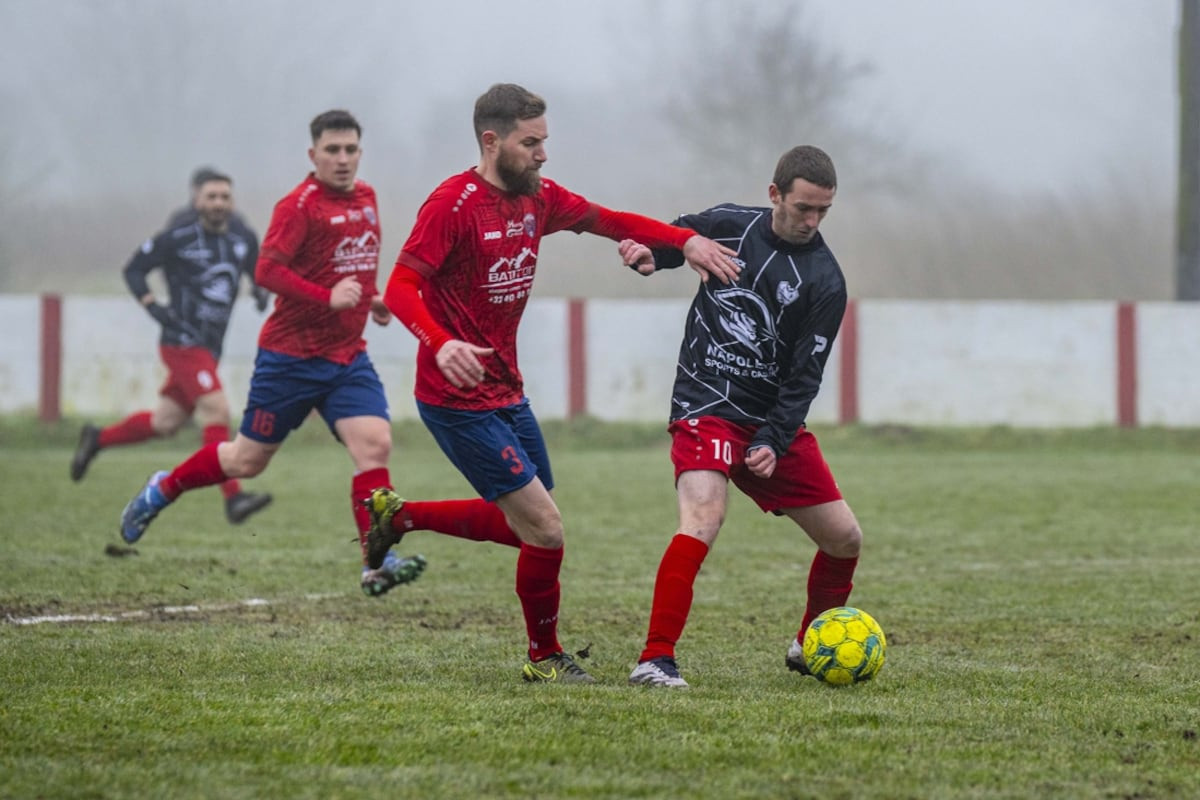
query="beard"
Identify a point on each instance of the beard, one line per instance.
(213, 219)
(521, 181)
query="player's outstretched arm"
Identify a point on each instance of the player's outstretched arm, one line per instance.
(707, 257)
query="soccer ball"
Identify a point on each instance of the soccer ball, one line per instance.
(843, 646)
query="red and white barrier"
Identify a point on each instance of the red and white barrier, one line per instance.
(1025, 364)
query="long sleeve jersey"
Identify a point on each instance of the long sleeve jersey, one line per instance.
(203, 271)
(318, 236)
(754, 351)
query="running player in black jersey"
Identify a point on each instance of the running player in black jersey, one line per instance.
(238, 225)
(202, 259)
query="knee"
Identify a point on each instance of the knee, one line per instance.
(166, 424)
(702, 520)
(845, 543)
(379, 449)
(549, 526)
(370, 452)
(212, 409)
(242, 462)
(165, 428)
(543, 529)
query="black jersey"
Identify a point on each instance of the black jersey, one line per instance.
(203, 271)
(754, 351)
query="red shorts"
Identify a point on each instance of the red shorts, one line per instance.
(191, 373)
(801, 477)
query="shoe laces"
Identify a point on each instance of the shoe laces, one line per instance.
(566, 664)
(667, 665)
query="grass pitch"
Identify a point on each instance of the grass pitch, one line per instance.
(1038, 590)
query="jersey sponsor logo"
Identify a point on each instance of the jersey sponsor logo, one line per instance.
(489, 236)
(357, 253)
(508, 279)
(787, 294)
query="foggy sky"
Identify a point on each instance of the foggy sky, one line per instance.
(1025, 93)
(110, 104)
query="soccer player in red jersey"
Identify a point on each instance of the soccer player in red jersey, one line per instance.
(750, 365)
(202, 258)
(460, 285)
(320, 257)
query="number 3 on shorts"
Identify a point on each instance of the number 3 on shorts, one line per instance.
(514, 463)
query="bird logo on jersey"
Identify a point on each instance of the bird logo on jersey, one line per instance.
(745, 317)
(218, 283)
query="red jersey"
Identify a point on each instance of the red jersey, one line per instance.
(476, 246)
(318, 236)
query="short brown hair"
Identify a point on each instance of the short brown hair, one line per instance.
(334, 120)
(502, 106)
(807, 162)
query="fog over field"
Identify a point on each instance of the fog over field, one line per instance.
(1021, 149)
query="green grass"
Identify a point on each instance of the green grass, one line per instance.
(1038, 590)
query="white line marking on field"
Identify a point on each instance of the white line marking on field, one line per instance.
(129, 616)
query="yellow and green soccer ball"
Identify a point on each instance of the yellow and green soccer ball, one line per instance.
(843, 646)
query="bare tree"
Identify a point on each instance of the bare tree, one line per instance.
(767, 82)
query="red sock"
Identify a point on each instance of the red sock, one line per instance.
(202, 469)
(673, 595)
(218, 434)
(360, 489)
(134, 428)
(475, 519)
(829, 583)
(537, 586)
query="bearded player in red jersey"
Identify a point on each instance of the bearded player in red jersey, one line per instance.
(460, 285)
(320, 256)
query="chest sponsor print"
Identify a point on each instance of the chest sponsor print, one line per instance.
(509, 279)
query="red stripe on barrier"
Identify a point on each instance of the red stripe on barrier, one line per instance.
(848, 371)
(1127, 367)
(576, 359)
(49, 409)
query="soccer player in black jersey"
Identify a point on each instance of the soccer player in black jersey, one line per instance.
(187, 215)
(202, 259)
(749, 367)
